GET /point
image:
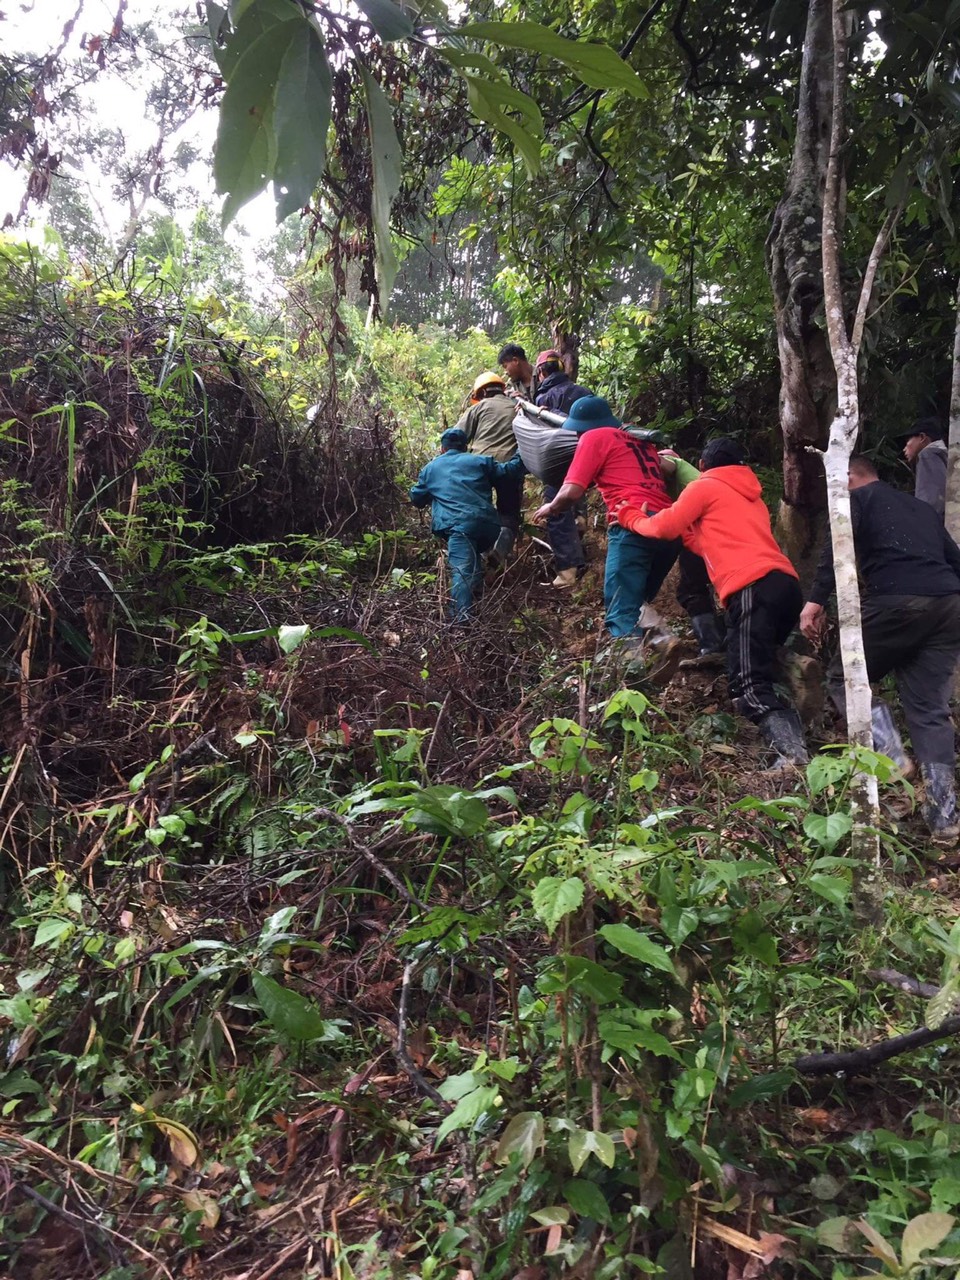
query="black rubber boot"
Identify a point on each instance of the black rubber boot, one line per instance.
(781, 730)
(887, 740)
(940, 804)
(710, 635)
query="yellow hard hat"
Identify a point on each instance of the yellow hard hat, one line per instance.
(486, 380)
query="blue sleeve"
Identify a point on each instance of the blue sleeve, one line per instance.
(512, 470)
(420, 494)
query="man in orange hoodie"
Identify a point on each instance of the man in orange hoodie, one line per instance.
(722, 517)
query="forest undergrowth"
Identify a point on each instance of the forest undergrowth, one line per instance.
(340, 942)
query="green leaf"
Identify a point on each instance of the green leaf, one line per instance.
(637, 945)
(584, 1143)
(52, 929)
(586, 1199)
(290, 638)
(490, 101)
(835, 889)
(597, 65)
(300, 122)
(552, 1215)
(628, 1038)
(294, 1016)
(245, 151)
(524, 1134)
(387, 20)
(554, 898)
(827, 830)
(752, 938)
(771, 1085)
(826, 771)
(469, 1110)
(923, 1233)
(678, 922)
(945, 1192)
(387, 169)
(276, 110)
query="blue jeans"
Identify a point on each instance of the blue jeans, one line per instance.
(563, 536)
(629, 558)
(465, 545)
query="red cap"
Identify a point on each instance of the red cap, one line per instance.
(544, 356)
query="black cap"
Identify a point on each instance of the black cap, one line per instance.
(925, 427)
(723, 452)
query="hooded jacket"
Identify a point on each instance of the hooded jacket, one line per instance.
(557, 393)
(722, 517)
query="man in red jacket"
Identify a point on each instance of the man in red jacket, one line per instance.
(722, 517)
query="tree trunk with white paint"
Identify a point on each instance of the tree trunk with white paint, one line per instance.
(843, 438)
(952, 511)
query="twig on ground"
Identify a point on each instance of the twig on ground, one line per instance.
(400, 1048)
(903, 982)
(370, 857)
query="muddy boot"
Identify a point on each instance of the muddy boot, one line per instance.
(711, 640)
(887, 740)
(662, 650)
(804, 677)
(940, 805)
(781, 730)
(650, 616)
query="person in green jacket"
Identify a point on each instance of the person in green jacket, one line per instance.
(488, 426)
(458, 487)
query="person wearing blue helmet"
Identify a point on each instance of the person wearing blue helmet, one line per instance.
(624, 468)
(458, 486)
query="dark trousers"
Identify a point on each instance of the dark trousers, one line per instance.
(563, 535)
(694, 595)
(760, 616)
(663, 558)
(918, 639)
(510, 503)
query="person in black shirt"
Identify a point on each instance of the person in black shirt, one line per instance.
(910, 583)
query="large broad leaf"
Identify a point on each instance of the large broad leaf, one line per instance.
(301, 120)
(469, 1110)
(387, 169)
(295, 1017)
(255, 20)
(636, 944)
(554, 898)
(827, 829)
(524, 1135)
(387, 20)
(490, 100)
(587, 1199)
(275, 112)
(596, 65)
(923, 1233)
(584, 1143)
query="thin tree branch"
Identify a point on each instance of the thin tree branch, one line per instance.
(870, 275)
(821, 1064)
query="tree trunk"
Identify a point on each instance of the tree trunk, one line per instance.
(568, 344)
(807, 378)
(952, 511)
(843, 437)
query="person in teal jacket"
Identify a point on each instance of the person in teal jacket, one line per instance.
(458, 486)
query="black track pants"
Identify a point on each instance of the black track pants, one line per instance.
(759, 619)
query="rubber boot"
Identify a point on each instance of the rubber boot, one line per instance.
(940, 804)
(565, 578)
(712, 640)
(887, 740)
(781, 730)
(501, 549)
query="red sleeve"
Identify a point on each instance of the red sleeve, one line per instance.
(673, 522)
(586, 461)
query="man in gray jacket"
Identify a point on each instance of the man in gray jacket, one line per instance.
(925, 450)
